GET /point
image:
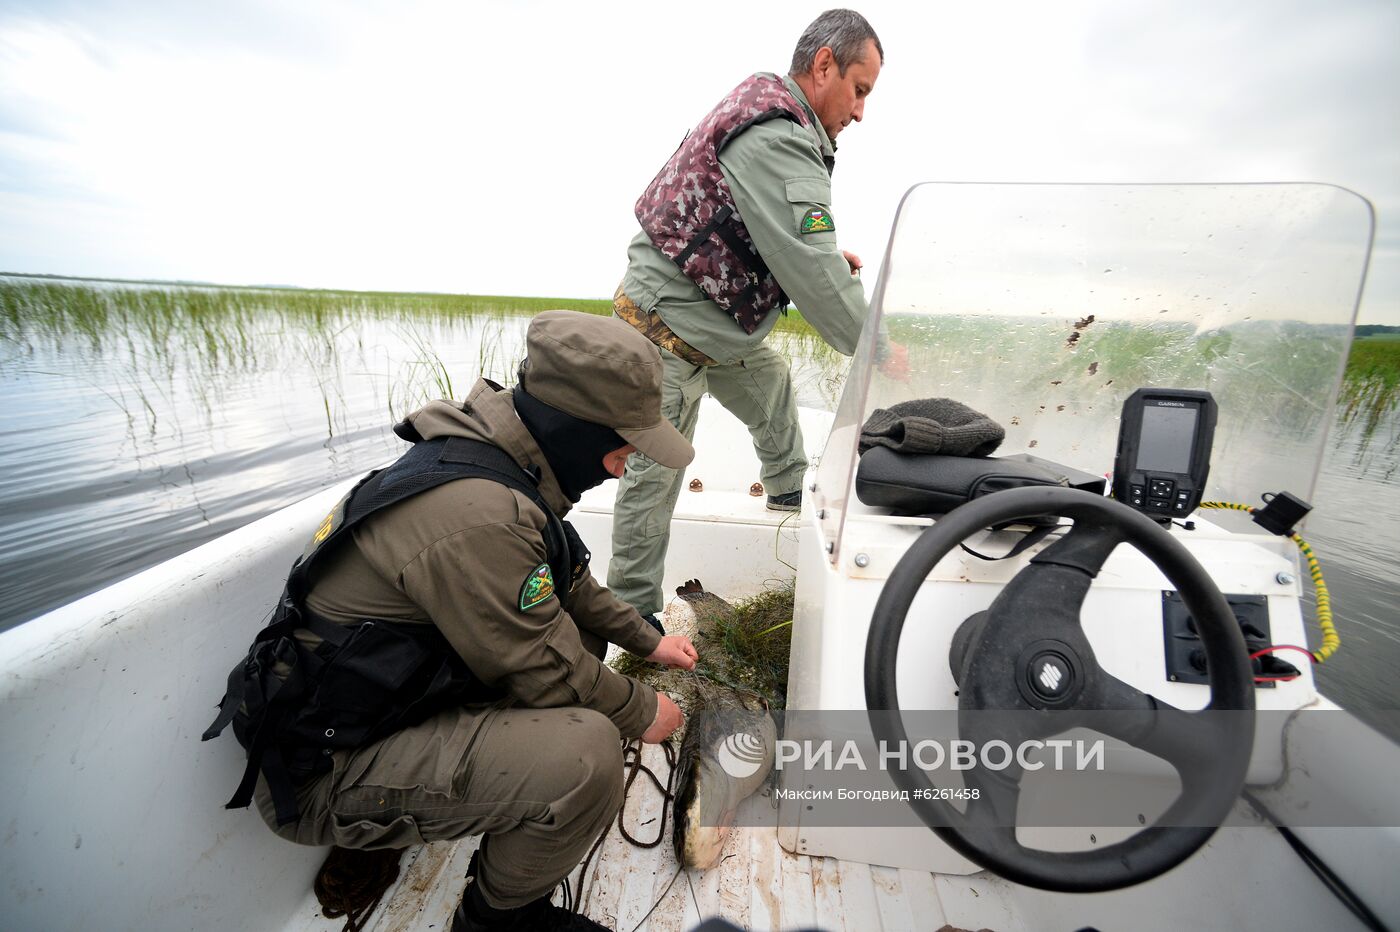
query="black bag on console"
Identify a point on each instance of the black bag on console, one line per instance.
(933, 484)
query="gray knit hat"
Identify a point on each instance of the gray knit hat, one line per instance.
(932, 425)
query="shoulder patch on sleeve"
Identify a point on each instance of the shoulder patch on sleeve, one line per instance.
(537, 587)
(817, 220)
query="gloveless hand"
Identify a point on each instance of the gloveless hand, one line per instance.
(675, 650)
(668, 718)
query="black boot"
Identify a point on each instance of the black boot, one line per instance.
(474, 914)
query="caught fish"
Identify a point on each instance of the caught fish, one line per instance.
(726, 751)
(725, 756)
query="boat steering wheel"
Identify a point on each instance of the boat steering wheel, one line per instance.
(999, 658)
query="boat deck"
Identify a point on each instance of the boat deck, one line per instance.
(757, 884)
(1246, 873)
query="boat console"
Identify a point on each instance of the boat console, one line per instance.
(1186, 342)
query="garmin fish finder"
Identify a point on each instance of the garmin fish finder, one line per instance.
(1164, 442)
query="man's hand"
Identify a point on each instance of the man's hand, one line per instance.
(675, 650)
(853, 261)
(895, 365)
(668, 719)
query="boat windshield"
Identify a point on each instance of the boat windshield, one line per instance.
(1046, 306)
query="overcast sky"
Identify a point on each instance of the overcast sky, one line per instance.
(498, 148)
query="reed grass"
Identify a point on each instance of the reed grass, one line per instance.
(742, 646)
(1371, 387)
(755, 641)
(209, 332)
(219, 320)
(206, 330)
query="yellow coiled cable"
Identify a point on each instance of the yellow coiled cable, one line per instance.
(1331, 641)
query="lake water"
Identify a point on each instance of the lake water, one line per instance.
(129, 436)
(134, 433)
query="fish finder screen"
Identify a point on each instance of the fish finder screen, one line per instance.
(1167, 435)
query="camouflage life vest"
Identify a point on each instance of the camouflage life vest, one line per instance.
(688, 210)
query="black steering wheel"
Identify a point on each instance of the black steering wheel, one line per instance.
(1028, 653)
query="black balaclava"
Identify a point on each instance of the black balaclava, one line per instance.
(574, 447)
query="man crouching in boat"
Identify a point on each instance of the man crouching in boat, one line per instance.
(433, 669)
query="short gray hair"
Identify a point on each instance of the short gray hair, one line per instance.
(844, 32)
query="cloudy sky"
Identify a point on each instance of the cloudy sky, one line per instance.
(498, 148)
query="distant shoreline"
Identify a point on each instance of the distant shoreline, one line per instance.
(791, 322)
(595, 305)
(181, 283)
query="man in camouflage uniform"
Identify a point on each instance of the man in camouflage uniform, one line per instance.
(538, 771)
(737, 223)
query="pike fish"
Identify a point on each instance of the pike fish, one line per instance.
(727, 750)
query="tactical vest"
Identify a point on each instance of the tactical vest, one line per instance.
(292, 706)
(688, 210)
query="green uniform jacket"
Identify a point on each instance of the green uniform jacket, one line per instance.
(457, 556)
(776, 174)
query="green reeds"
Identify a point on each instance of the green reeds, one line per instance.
(1371, 387)
(210, 330)
(208, 333)
(754, 642)
(216, 322)
(745, 646)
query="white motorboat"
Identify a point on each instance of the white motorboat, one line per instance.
(1043, 306)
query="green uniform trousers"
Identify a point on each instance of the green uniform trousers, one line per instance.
(540, 784)
(758, 391)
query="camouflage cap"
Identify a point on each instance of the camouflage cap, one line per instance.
(600, 370)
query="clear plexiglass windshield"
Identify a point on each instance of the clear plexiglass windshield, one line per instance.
(1046, 306)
